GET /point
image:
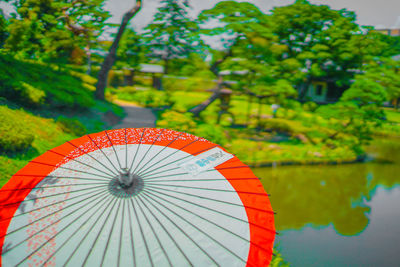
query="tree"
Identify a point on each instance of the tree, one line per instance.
(111, 56)
(52, 30)
(251, 51)
(238, 22)
(3, 29)
(129, 54)
(327, 44)
(172, 34)
(386, 73)
(356, 114)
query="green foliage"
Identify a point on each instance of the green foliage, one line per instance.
(25, 136)
(258, 153)
(310, 106)
(177, 121)
(278, 261)
(54, 31)
(185, 122)
(188, 84)
(365, 91)
(14, 135)
(71, 126)
(33, 85)
(147, 98)
(213, 133)
(3, 29)
(183, 100)
(280, 125)
(130, 50)
(172, 34)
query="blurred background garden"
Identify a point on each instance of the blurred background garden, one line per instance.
(302, 92)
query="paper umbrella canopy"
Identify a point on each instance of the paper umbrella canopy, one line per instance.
(136, 197)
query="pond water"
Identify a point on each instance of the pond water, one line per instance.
(339, 215)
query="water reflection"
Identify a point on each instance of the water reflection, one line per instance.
(337, 194)
(341, 199)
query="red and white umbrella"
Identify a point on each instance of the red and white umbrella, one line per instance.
(141, 197)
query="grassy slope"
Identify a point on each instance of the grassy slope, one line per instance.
(47, 134)
(41, 97)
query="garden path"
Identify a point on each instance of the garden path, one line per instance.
(136, 116)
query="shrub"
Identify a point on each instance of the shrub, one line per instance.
(14, 135)
(310, 106)
(213, 133)
(177, 121)
(71, 126)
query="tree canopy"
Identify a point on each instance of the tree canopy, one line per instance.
(172, 34)
(54, 30)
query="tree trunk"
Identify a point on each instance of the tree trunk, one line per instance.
(199, 108)
(111, 56)
(214, 68)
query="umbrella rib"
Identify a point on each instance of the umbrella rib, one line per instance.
(166, 231)
(184, 173)
(115, 152)
(80, 162)
(207, 220)
(85, 153)
(62, 167)
(42, 228)
(112, 164)
(165, 147)
(58, 194)
(101, 230)
(58, 232)
(204, 188)
(42, 187)
(152, 144)
(169, 163)
(87, 233)
(153, 231)
(217, 211)
(77, 230)
(185, 157)
(131, 232)
(218, 200)
(197, 228)
(205, 180)
(58, 177)
(110, 234)
(180, 229)
(120, 234)
(141, 232)
(149, 170)
(137, 150)
(61, 201)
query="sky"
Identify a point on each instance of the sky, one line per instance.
(378, 13)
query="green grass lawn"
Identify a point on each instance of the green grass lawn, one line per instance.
(303, 135)
(392, 115)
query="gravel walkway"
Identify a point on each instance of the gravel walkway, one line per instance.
(136, 117)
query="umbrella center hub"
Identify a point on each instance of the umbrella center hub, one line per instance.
(126, 184)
